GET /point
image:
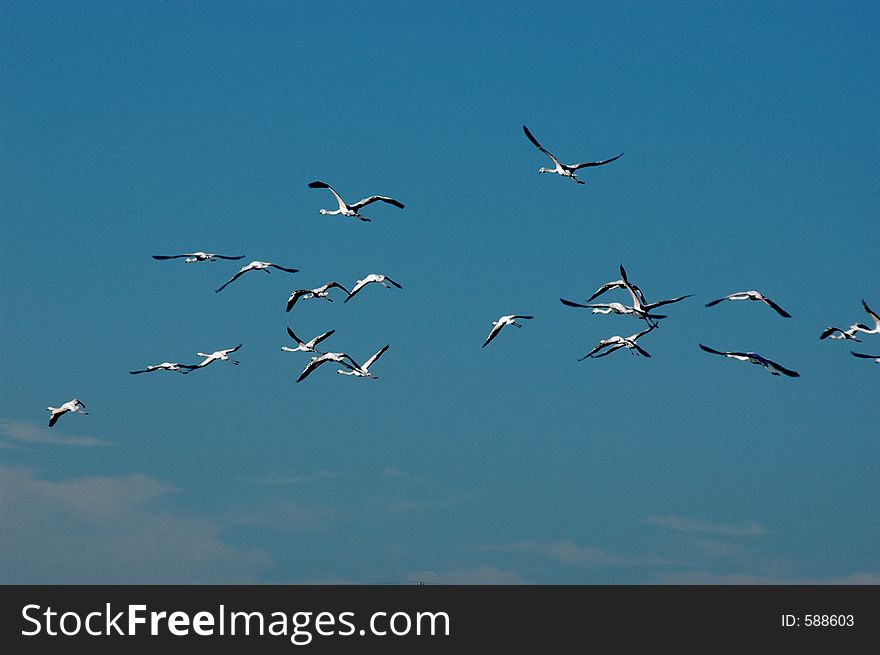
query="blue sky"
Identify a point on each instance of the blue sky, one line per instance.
(751, 158)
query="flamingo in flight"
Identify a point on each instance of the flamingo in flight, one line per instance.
(616, 308)
(751, 295)
(755, 358)
(323, 358)
(863, 328)
(832, 332)
(364, 371)
(305, 346)
(255, 266)
(322, 291)
(617, 342)
(74, 406)
(566, 170)
(166, 366)
(638, 299)
(616, 284)
(372, 277)
(218, 356)
(199, 256)
(508, 319)
(353, 209)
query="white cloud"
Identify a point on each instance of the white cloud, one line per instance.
(280, 479)
(569, 553)
(401, 505)
(708, 578)
(34, 433)
(391, 473)
(110, 530)
(286, 516)
(691, 525)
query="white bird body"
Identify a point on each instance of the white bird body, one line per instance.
(754, 358)
(617, 342)
(322, 291)
(616, 284)
(642, 308)
(832, 332)
(614, 308)
(256, 266)
(74, 405)
(166, 366)
(364, 371)
(198, 256)
(377, 278)
(351, 210)
(508, 319)
(566, 170)
(863, 328)
(306, 346)
(323, 358)
(218, 355)
(751, 295)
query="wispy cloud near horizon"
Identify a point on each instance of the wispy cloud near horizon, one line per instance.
(691, 525)
(280, 479)
(33, 433)
(571, 554)
(112, 530)
(391, 473)
(709, 578)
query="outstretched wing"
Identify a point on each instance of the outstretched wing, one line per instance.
(595, 163)
(314, 363)
(357, 287)
(776, 308)
(637, 301)
(54, 418)
(319, 338)
(596, 349)
(782, 369)
(294, 337)
(539, 146)
(330, 285)
(872, 314)
(286, 270)
(715, 302)
(641, 350)
(160, 257)
(296, 295)
(372, 359)
(495, 329)
(366, 201)
(827, 332)
(571, 303)
(863, 355)
(713, 351)
(635, 337)
(608, 286)
(393, 282)
(317, 184)
(660, 303)
(229, 257)
(616, 346)
(521, 316)
(232, 279)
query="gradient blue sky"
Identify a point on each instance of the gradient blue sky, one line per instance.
(751, 155)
